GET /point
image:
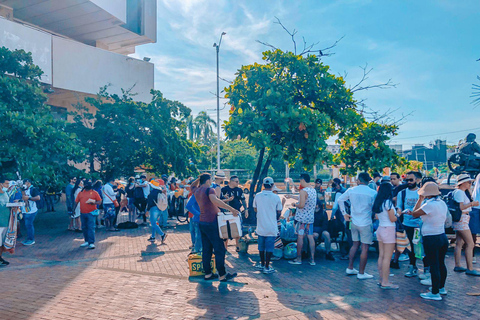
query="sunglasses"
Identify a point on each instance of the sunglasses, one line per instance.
(409, 180)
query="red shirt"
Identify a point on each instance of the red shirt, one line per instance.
(83, 196)
(208, 211)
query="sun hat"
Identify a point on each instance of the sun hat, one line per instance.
(220, 175)
(429, 189)
(463, 178)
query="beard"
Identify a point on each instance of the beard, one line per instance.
(412, 186)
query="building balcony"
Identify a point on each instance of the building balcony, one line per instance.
(73, 66)
(116, 26)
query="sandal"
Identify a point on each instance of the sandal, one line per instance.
(390, 287)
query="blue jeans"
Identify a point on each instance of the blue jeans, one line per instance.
(163, 218)
(196, 236)
(155, 213)
(29, 218)
(212, 243)
(88, 227)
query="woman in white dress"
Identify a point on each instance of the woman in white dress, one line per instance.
(76, 213)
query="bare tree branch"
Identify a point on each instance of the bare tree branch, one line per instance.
(476, 93)
(292, 34)
(360, 85)
(267, 44)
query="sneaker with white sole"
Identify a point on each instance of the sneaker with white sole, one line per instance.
(426, 282)
(431, 296)
(259, 266)
(364, 276)
(412, 272)
(269, 270)
(442, 291)
(28, 243)
(424, 276)
(351, 272)
(403, 257)
(91, 246)
(84, 244)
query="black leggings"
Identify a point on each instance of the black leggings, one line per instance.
(435, 250)
(410, 231)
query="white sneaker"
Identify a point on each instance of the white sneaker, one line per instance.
(259, 266)
(431, 296)
(84, 244)
(424, 276)
(403, 257)
(426, 282)
(269, 270)
(442, 291)
(91, 246)
(351, 272)
(364, 276)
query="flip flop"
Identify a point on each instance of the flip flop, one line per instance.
(228, 276)
(389, 287)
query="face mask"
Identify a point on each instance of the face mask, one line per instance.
(4, 189)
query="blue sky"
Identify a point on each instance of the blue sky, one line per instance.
(428, 48)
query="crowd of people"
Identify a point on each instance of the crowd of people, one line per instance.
(401, 216)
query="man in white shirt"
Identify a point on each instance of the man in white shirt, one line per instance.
(361, 201)
(268, 207)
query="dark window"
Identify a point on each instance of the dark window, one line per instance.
(59, 113)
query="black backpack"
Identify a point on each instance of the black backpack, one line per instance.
(453, 207)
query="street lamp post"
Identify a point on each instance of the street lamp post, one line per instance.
(218, 102)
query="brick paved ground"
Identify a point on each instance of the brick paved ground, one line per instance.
(126, 277)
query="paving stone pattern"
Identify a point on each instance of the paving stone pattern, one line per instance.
(126, 277)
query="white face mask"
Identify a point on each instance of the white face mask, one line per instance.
(4, 189)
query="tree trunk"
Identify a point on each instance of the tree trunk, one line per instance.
(92, 162)
(254, 180)
(263, 174)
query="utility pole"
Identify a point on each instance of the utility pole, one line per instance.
(217, 47)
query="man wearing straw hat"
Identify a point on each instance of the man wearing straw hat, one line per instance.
(462, 229)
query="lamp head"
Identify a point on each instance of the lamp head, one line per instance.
(215, 44)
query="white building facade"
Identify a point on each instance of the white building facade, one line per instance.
(83, 45)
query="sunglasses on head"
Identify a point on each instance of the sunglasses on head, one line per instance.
(409, 180)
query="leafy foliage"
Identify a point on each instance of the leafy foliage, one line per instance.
(364, 148)
(290, 105)
(33, 141)
(238, 154)
(125, 134)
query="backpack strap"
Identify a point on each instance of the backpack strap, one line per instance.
(404, 195)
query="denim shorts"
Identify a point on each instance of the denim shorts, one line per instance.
(266, 243)
(109, 211)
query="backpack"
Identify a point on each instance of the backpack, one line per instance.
(139, 193)
(162, 201)
(40, 203)
(453, 207)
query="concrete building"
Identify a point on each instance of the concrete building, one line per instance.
(431, 156)
(82, 45)
(334, 148)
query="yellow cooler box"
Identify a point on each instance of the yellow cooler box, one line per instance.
(196, 267)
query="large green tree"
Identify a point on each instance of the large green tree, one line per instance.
(364, 147)
(238, 154)
(33, 142)
(288, 107)
(124, 134)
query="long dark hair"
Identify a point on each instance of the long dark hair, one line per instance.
(77, 185)
(384, 194)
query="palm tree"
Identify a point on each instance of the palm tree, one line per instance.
(203, 127)
(190, 127)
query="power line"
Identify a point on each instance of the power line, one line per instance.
(436, 134)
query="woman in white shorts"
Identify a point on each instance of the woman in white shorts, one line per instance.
(462, 229)
(384, 211)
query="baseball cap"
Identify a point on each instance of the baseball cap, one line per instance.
(268, 181)
(318, 180)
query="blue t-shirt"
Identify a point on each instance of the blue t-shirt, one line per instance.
(411, 198)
